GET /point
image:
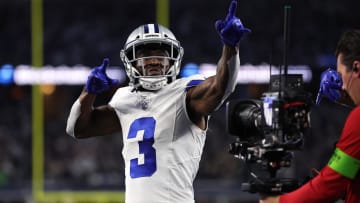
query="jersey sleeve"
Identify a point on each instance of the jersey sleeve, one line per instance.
(193, 81)
(118, 96)
(341, 169)
(327, 186)
(349, 143)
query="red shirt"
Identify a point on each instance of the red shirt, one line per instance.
(330, 185)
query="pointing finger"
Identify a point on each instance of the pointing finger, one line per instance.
(104, 65)
(232, 9)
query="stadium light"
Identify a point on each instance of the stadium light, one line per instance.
(77, 75)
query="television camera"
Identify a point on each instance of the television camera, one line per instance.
(269, 130)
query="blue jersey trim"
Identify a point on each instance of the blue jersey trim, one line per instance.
(193, 83)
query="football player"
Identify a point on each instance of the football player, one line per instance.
(163, 119)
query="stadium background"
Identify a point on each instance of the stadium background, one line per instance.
(84, 32)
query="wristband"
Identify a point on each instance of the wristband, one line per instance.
(73, 116)
(233, 65)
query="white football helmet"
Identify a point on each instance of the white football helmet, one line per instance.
(151, 35)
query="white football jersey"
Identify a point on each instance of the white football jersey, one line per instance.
(162, 147)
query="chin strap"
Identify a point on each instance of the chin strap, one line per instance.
(233, 65)
(153, 83)
(73, 116)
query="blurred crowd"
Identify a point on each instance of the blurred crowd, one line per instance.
(97, 163)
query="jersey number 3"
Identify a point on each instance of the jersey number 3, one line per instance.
(148, 167)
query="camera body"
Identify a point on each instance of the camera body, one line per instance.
(269, 130)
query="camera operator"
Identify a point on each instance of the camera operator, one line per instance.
(341, 176)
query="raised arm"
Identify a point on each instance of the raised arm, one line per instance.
(86, 121)
(209, 95)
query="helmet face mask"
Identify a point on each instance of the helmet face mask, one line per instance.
(165, 53)
(151, 66)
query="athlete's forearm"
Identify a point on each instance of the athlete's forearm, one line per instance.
(87, 101)
(80, 115)
(228, 67)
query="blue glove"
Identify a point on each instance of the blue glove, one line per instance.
(231, 30)
(98, 81)
(330, 85)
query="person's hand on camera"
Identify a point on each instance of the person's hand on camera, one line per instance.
(231, 30)
(269, 199)
(98, 81)
(330, 85)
